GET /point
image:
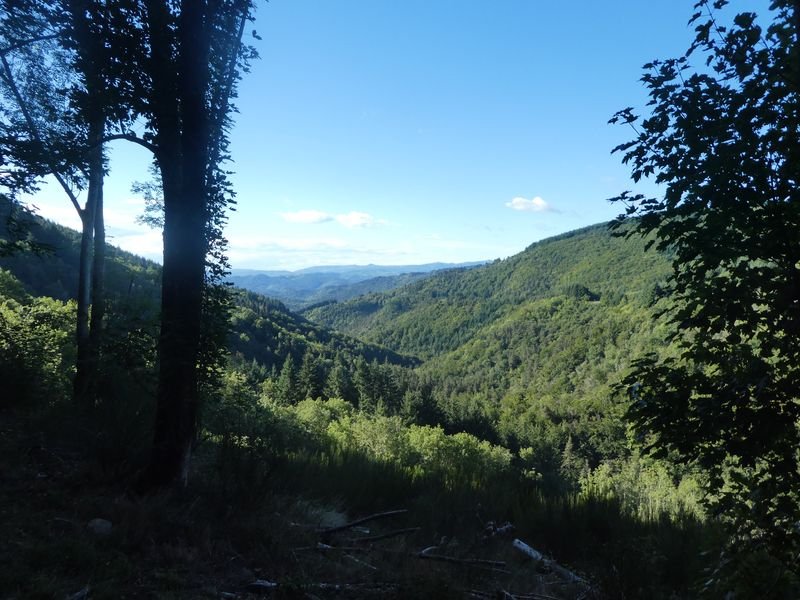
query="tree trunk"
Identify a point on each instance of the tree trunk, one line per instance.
(81, 381)
(91, 280)
(183, 161)
(90, 276)
(98, 265)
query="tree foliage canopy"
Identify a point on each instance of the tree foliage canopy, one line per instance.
(722, 139)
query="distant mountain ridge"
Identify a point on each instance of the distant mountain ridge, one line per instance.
(313, 285)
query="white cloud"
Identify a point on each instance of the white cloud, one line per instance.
(306, 217)
(146, 243)
(355, 219)
(533, 205)
(352, 220)
(273, 252)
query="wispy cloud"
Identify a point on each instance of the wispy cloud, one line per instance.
(257, 251)
(352, 220)
(355, 219)
(535, 204)
(306, 217)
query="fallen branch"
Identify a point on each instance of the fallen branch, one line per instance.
(383, 515)
(506, 595)
(262, 586)
(428, 553)
(345, 587)
(383, 536)
(361, 562)
(320, 547)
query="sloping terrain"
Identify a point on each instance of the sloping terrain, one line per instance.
(263, 330)
(448, 309)
(526, 351)
(315, 285)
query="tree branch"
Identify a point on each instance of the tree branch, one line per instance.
(220, 103)
(382, 515)
(131, 138)
(9, 77)
(22, 44)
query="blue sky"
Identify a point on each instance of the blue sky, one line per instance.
(404, 132)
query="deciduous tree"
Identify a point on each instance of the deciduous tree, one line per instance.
(722, 139)
(194, 55)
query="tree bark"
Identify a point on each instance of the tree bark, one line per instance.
(81, 382)
(183, 159)
(89, 284)
(91, 278)
(97, 166)
(91, 273)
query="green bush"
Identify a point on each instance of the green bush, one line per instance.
(644, 489)
(36, 349)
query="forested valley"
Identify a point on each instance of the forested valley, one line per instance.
(493, 390)
(610, 413)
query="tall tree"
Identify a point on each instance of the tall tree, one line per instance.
(287, 388)
(56, 71)
(723, 139)
(37, 71)
(88, 29)
(194, 51)
(308, 377)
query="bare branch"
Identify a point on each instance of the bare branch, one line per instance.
(429, 554)
(131, 138)
(382, 515)
(383, 536)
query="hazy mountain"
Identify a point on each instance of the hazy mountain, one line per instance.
(312, 285)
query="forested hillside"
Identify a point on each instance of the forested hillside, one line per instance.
(53, 269)
(523, 352)
(526, 351)
(264, 333)
(316, 285)
(446, 310)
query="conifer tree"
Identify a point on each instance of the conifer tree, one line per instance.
(308, 377)
(338, 384)
(287, 388)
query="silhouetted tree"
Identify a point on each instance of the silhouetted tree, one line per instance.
(723, 141)
(194, 51)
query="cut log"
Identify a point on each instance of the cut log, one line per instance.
(562, 572)
(527, 550)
